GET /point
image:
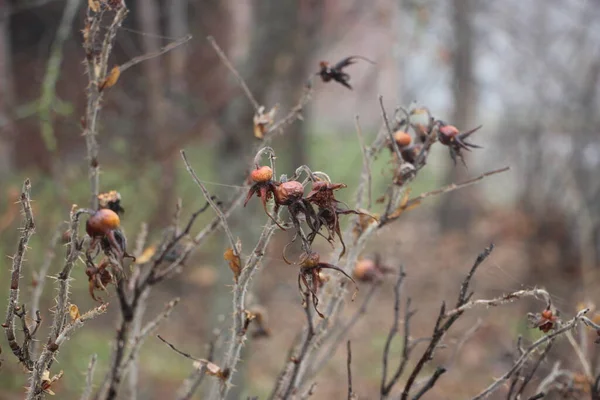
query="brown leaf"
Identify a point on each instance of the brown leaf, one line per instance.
(212, 369)
(74, 312)
(47, 381)
(94, 5)
(146, 255)
(262, 121)
(234, 263)
(111, 79)
(405, 205)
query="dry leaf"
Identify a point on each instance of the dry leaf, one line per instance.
(94, 5)
(146, 255)
(212, 369)
(74, 312)
(234, 262)
(111, 79)
(405, 205)
(47, 381)
(262, 121)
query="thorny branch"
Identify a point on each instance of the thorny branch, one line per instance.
(27, 230)
(89, 378)
(569, 325)
(349, 367)
(58, 329)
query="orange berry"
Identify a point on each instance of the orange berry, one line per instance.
(365, 270)
(262, 174)
(402, 138)
(103, 221)
(547, 314)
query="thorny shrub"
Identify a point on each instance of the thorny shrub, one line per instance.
(310, 213)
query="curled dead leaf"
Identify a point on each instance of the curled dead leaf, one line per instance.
(235, 263)
(74, 312)
(94, 5)
(263, 120)
(111, 79)
(47, 381)
(212, 369)
(146, 255)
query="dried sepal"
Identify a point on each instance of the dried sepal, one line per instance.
(235, 263)
(263, 120)
(111, 79)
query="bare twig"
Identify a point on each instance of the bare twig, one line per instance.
(149, 329)
(366, 176)
(531, 373)
(210, 201)
(235, 73)
(297, 361)
(386, 387)
(96, 68)
(89, 378)
(389, 131)
(504, 299)
(193, 381)
(527, 353)
(343, 330)
(349, 367)
(40, 276)
(446, 189)
(35, 390)
(27, 230)
(57, 330)
(232, 353)
(443, 324)
(158, 53)
(439, 371)
(176, 350)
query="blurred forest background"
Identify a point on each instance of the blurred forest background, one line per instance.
(529, 71)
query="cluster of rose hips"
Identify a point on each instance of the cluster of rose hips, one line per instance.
(426, 134)
(319, 208)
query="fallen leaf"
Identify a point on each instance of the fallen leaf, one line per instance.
(235, 264)
(262, 121)
(111, 79)
(74, 312)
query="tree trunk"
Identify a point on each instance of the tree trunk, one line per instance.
(7, 128)
(148, 19)
(455, 208)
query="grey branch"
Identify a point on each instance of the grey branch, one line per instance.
(27, 230)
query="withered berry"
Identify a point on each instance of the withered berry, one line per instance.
(288, 192)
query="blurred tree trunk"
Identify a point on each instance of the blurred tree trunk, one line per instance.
(455, 208)
(148, 19)
(293, 66)
(7, 129)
